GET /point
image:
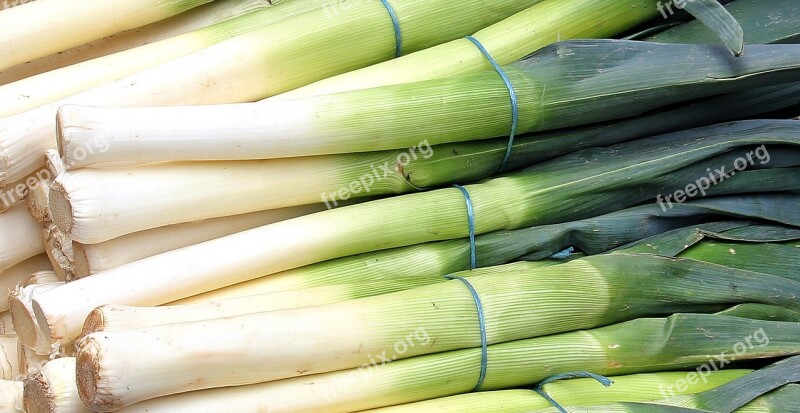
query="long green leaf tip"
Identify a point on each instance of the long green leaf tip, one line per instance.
(735, 394)
(774, 21)
(717, 18)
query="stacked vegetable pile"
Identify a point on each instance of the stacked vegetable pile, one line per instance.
(400, 206)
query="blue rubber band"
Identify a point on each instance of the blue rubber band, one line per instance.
(473, 255)
(482, 321)
(514, 103)
(605, 381)
(398, 36)
(563, 254)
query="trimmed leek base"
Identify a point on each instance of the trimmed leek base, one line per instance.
(20, 273)
(22, 237)
(38, 201)
(348, 334)
(93, 258)
(59, 250)
(577, 392)
(33, 24)
(25, 324)
(11, 396)
(54, 163)
(197, 18)
(645, 345)
(53, 389)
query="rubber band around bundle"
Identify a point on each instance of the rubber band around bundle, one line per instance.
(482, 322)
(473, 255)
(512, 93)
(398, 35)
(605, 381)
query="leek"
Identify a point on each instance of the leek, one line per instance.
(726, 398)
(29, 28)
(196, 18)
(643, 345)
(426, 263)
(92, 258)
(11, 396)
(59, 250)
(507, 41)
(10, 278)
(590, 77)
(42, 89)
(269, 60)
(22, 237)
(25, 323)
(569, 188)
(585, 293)
(577, 392)
(52, 389)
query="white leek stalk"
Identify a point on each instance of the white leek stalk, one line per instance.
(507, 41)
(92, 258)
(25, 324)
(20, 273)
(11, 396)
(197, 18)
(53, 389)
(12, 194)
(9, 357)
(110, 318)
(58, 247)
(35, 91)
(142, 198)
(21, 239)
(43, 277)
(269, 60)
(29, 29)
